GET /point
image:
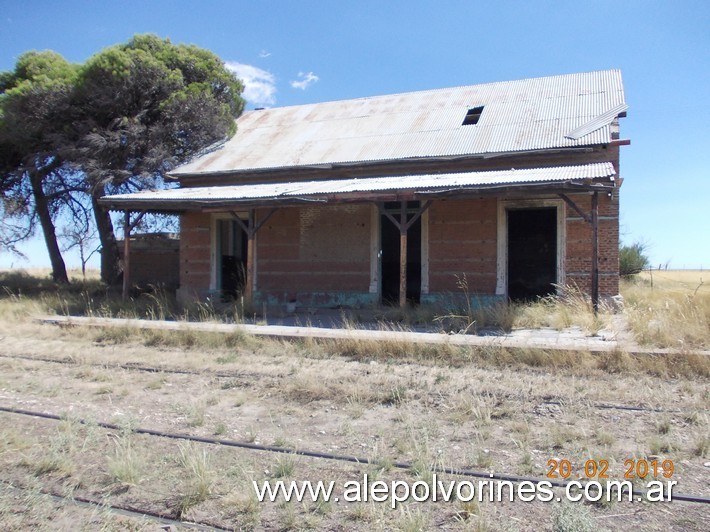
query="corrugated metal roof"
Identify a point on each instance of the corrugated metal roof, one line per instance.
(600, 121)
(315, 189)
(529, 114)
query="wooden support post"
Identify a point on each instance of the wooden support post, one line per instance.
(403, 225)
(251, 232)
(403, 268)
(126, 254)
(250, 228)
(595, 251)
(403, 254)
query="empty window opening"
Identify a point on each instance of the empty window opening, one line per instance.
(532, 253)
(472, 116)
(232, 256)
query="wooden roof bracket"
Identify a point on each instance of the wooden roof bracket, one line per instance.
(403, 225)
(250, 228)
(586, 217)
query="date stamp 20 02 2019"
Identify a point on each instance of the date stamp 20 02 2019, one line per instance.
(597, 470)
(600, 469)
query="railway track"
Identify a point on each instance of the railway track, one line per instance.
(327, 456)
(122, 510)
(242, 374)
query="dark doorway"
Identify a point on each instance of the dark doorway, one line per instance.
(390, 246)
(232, 254)
(532, 252)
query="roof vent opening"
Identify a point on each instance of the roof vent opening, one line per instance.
(472, 116)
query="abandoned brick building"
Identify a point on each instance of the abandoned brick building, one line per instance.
(513, 186)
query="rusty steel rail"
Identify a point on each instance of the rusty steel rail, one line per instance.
(233, 374)
(330, 456)
(124, 510)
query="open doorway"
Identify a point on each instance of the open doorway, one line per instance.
(231, 258)
(532, 252)
(390, 257)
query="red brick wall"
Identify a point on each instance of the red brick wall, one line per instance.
(194, 255)
(319, 249)
(463, 236)
(579, 245)
(327, 248)
(154, 260)
(462, 240)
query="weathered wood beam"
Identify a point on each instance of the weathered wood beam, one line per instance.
(241, 223)
(381, 208)
(403, 227)
(138, 220)
(620, 142)
(419, 213)
(251, 228)
(126, 254)
(576, 207)
(249, 288)
(264, 219)
(246, 227)
(595, 251)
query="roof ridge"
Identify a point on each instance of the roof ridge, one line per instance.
(439, 89)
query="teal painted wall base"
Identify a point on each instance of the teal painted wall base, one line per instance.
(318, 299)
(446, 301)
(453, 302)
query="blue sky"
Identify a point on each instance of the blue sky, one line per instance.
(294, 52)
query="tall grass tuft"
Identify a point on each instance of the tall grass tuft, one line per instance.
(569, 307)
(125, 464)
(198, 478)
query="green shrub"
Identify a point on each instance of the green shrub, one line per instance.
(632, 259)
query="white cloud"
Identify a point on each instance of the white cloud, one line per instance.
(305, 80)
(259, 85)
(264, 54)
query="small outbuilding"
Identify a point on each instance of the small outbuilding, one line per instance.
(512, 186)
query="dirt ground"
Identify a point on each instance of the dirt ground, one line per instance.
(429, 413)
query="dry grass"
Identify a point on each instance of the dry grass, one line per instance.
(571, 308)
(198, 477)
(663, 309)
(34, 292)
(489, 413)
(669, 308)
(125, 464)
(430, 406)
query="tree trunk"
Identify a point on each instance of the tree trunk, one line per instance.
(110, 258)
(59, 270)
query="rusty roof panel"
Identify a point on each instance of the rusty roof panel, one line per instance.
(314, 189)
(520, 115)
